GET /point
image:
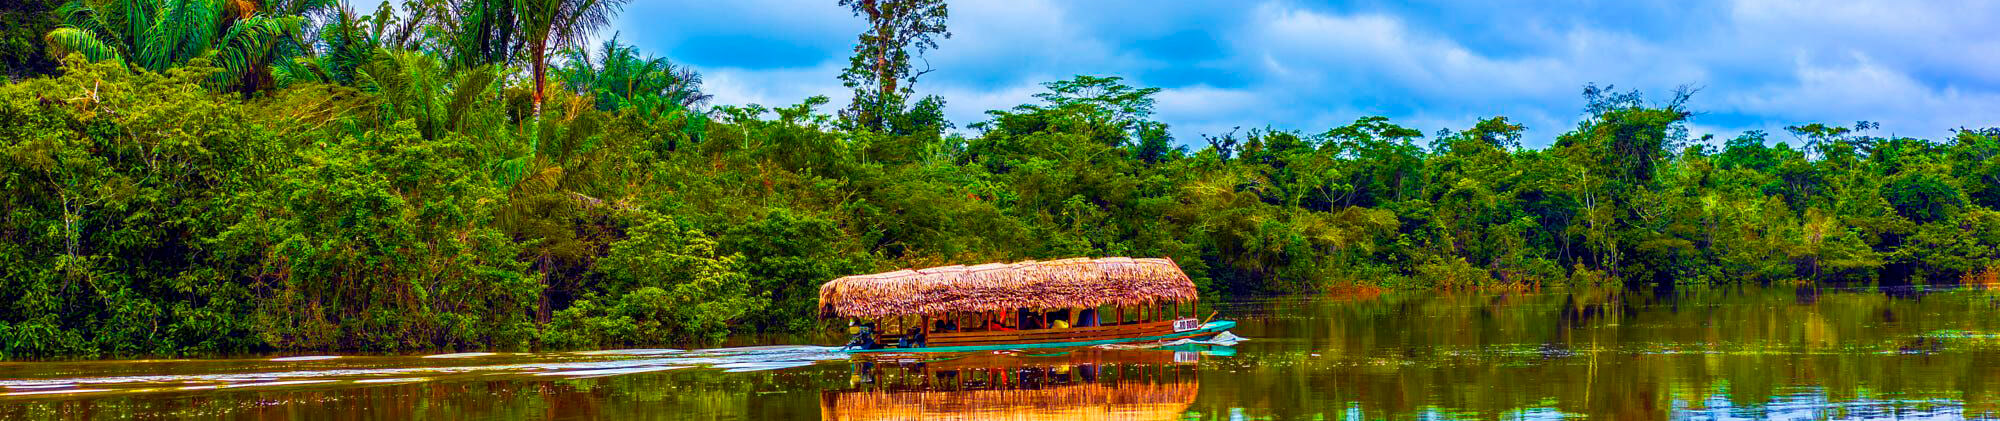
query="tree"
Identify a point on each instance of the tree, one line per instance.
(243, 38)
(881, 72)
(1923, 198)
(346, 41)
(618, 78)
(1611, 158)
(1386, 158)
(1747, 151)
(1103, 109)
(1111, 110)
(548, 26)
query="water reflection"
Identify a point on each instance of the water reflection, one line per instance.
(1684, 353)
(1079, 385)
(1693, 353)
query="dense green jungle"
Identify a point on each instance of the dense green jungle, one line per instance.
(207, 177)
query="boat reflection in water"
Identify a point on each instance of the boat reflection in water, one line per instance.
(1089, 384)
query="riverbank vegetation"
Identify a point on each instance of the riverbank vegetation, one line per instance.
(467, 174)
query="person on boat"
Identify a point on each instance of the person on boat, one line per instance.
(1086, 318)
(864, 336)
(912, 338)
(994, 325)
(1029, 320)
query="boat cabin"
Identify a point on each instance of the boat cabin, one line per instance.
(1070, 302)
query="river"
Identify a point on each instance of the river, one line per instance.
(1691, 353)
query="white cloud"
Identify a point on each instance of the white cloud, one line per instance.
(967, 104)
(773, 87)
(1920, 68)
(1374, 64)
(1864, 89)
(1201, 109)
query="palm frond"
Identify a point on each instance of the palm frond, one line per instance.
(483, 32)
(82, 16)
(409, 27)
(133, 18)
(64, 41)
(251, 43)
(619, 78)
(184, 30)
(344, 45)
(471, 86)
(307, 8)
(299, 70)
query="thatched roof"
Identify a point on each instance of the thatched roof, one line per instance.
(1067, 283)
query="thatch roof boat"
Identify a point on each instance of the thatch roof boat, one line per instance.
(1066, 283)
(1023, 304)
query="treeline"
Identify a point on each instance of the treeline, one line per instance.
(464, 174)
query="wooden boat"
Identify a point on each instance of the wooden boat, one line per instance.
(1031, 304)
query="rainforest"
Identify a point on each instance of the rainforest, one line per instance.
(208, 177)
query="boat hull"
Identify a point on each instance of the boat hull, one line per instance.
(1060, 338)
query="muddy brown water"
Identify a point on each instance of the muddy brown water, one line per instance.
(1692, 353)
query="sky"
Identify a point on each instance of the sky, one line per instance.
(1918, 68)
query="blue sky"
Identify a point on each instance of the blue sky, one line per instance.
(1919, 69)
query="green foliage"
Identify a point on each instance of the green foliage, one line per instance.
(618, 78)
(787, 255)
(22, 25)
(396, 229)
(1923, 198)
(114, 180)
(241, 38)
(691, 290)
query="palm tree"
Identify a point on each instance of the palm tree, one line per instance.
(348, 40)
(618, 78)
(550, 25)
(243, 37)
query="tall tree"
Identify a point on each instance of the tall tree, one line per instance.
(548, 26)
(881, 72)
(1103, 102)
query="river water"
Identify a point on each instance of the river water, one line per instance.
(1692, 353)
